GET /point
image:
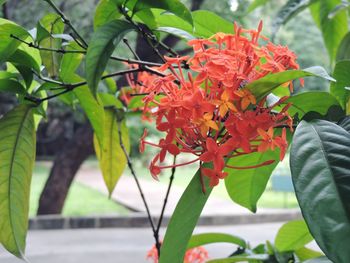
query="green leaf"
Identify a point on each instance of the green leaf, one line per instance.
(333, 29)
(176, 32)
(209, 238)
(184, 220)
(109, 100)
(13, 86)
(2, 2)
(17, 157)
(262, 87)
(241, 258)
(343, 52)
(106, 11)
(53, 24)
(206, 23)
(8, 45)
(112, 159)
(317, 101)
(292, 235)
(319, 161)
(318, 260)
(288, 11)
(101, 47)
(70, 61)
(172, 6)
(342, 75)
(305, 253)
(245, 187)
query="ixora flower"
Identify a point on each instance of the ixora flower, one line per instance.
(194, 255)
(204, 108)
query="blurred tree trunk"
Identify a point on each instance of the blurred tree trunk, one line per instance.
(65, 167)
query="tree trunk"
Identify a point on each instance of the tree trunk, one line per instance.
(65, 167)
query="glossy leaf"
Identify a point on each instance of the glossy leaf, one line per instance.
(319, 161)
(262, 87)
(17, 156)
(333, 29)
(184, 220)
(316, 101)
(245, 187)
(242, 258)
(172, 6)
(209, 238)
(176, 32)
(111, 157)
(343, 52)
(8, 45)
(101, 47)
(288, 11)
(292, 235)
(342, 75)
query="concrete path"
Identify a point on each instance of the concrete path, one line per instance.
(120, 245)
(127, 194)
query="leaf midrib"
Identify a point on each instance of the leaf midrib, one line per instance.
(10, 177)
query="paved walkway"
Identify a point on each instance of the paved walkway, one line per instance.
(121, 245)
(127, 194)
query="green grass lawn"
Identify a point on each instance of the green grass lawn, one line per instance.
(81, 200)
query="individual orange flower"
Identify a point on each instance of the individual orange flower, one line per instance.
(206, 123)
(224, 104)
(247, 98)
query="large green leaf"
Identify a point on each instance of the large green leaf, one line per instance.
(316, 101)
(17, 156)
(292, 235)
(101, 47)
(242, 258)
(209, 238)
(111, 157)
(70, 61)
(343, 51)
(288, 11)
(184, 220)
(342, 75)
(172, 6)
(319, 161)
(245, 187)
(262, 87)
(20, 57)
(333, 29)
(53, 24)
(8, 45)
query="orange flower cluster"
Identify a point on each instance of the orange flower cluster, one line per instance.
(194, 255)
(205, 108)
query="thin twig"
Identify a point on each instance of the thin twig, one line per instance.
(132, 170)
(67, 22)
(171, 180)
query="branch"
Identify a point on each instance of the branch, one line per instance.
(67, 22)
(155, 233)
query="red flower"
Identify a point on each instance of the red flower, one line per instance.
(215, 154)
(142, 141)
(214, 175)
